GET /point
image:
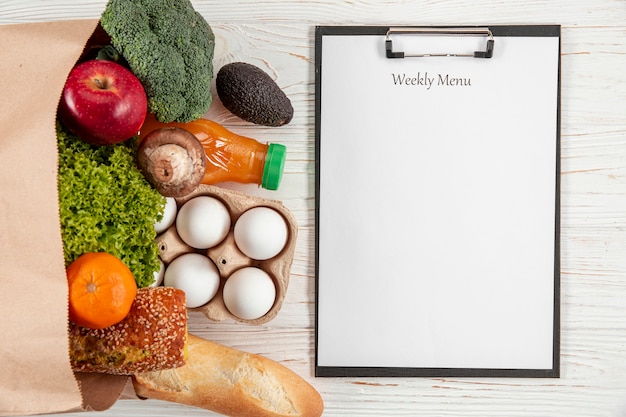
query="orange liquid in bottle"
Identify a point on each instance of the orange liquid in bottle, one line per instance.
(230, 157)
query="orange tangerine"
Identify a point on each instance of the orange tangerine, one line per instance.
(101, 290)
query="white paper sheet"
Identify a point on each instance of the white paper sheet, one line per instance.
(437, 187)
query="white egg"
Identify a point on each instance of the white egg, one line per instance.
(169, 215)
(261, 233)
(203, 222)
(249, 293)
(196, 275)
(158, 275)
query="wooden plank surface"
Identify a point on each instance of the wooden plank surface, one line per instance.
(278, 36)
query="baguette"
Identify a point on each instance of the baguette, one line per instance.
(153, 336)
(231, 382)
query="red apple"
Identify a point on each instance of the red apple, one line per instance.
(103, 102)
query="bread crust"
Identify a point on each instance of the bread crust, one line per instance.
(233, 383)
(153, 336)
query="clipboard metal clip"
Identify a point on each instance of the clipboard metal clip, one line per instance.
(487, 53)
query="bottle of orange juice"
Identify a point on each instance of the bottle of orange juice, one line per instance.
(230, 157)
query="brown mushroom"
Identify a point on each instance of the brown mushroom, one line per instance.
(172, 160)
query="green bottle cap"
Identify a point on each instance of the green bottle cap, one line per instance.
(274, 164)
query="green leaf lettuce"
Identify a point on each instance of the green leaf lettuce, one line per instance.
(106, 205)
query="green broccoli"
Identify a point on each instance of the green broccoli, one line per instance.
(169, 47)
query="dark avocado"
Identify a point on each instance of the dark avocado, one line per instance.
(251, 94)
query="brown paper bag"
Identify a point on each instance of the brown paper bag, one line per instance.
(35, 373)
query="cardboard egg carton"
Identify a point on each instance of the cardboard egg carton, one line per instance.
(227, 257)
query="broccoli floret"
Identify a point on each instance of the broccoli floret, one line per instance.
(169, 47)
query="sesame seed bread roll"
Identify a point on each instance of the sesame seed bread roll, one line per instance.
(233, 383)
(153, 336)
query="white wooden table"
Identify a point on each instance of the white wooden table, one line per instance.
(279, 37)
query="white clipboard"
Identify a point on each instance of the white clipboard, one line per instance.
(437, 201)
